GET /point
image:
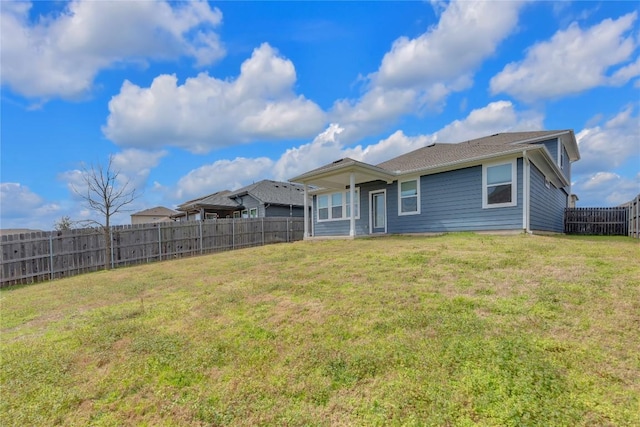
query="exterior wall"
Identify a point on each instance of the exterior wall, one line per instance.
(280, 211)
(249, 202)
(449, 201)
(552, 146)
(547, 204)
(452, 201)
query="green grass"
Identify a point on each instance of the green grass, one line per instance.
(460, 329)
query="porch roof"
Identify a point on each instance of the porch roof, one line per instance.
(338, 174)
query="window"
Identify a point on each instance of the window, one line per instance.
(499, 185)
(245, 213)
(253, 213)
(336, 206)
(409, 197)
(236, 214)
(323, 207)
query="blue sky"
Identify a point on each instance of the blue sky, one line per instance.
(192, 98)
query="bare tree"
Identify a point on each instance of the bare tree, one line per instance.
(103, 193)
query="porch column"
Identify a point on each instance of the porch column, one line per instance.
(352, 196)
(306, 212)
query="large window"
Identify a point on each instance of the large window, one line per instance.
(336, 206)
(323, 207)
(409, 197)
(499, 185)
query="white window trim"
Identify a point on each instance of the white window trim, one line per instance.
(417, 212)
(344, 216)
(514, 185)
(253, 213)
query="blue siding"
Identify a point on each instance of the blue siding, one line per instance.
(449, 201)
(249, 203)
(547, 204)
(452, 201)
(278, 210)
(552, 146)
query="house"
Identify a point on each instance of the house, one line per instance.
(507, 181)
(259, 200)
(153, 215)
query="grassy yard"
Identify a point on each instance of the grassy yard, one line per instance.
(457, 330)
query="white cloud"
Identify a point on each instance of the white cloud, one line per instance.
(396, 144)
(606, 189)
(325, 148)
(421, 72)
(22, 208)
(329, 146)
(499, 116)
(207, 113)
(135, 165)
(609, 146)
(59, 55)
(16, 198)
(221, 175)
(467, 33)
(572, 61)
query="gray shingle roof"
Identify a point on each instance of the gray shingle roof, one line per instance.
(218, 199)
(273, 192)
(157, 211)
(436, 155)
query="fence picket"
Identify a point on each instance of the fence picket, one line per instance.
(596, 221)
(33, 257)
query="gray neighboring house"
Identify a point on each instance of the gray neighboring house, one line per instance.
(262, 199)
(153, 215)
(508, 181)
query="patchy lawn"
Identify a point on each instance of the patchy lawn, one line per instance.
(460, 329)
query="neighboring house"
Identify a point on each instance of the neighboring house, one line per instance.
(259, 200)
(153, 215)
(508, 181)
(216, 205)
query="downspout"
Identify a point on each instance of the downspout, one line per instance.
(352, 196)
(306, 212)
(526, 191)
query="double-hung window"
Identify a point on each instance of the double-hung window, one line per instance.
(409, 197)
(336, 206)
(499, 185)
(323, 207)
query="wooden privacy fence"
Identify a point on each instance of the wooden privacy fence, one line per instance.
(596, 221)
(38, 256)
(634, 217)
